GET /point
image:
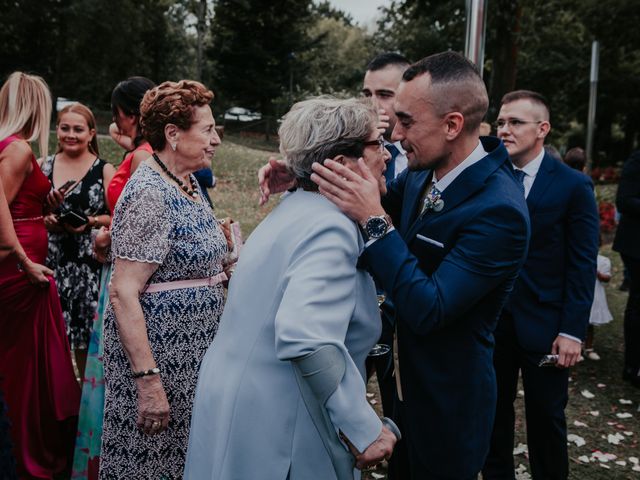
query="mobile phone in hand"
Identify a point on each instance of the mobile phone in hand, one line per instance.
(63, 189)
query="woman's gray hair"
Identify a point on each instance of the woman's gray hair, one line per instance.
(323, 127)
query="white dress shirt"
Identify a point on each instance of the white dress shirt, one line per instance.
(530, 172)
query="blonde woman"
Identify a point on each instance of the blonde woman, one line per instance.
(36, 373)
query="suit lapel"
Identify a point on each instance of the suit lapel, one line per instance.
(467, 184)
(543, 179)
(413, 192)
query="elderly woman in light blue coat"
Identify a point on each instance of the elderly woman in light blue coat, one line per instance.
(281, 392)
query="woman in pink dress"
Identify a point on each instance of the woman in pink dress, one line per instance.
(36, 373)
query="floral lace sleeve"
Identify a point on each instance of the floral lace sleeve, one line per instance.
(141, 227)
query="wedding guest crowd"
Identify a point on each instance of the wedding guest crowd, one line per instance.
(126, 269)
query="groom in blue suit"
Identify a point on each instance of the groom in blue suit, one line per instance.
(446, 244)
(548, 311)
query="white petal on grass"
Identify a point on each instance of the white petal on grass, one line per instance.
(624, 401)
(587, 394)
(594, 413)
(377, 476)
(628, 434)
(520, 449)
(624, 415)
(520, 393)
(583, 459)
(370, 395)
(578, 423)
(634, 460)
(615, 439)
(577, 439)
(522, 473)
(373, 401)
(601, 385)
(622, 463)
(602, 457)
(636, 468)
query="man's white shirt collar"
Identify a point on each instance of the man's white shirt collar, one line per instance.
(478, 154)
(531, 171)
(531, 168)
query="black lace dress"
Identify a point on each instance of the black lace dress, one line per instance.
(70, 256)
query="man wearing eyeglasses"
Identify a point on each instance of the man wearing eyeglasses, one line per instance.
(381, 81)
(548, 310)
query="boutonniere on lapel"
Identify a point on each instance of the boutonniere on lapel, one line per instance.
(432, 200)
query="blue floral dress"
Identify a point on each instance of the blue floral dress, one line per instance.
(154, 222)
(70, 256)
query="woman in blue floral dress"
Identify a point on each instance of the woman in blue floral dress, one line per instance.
(166, 294)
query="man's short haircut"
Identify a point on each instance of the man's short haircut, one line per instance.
(386, 59)
(534, 97)
(575, 158)
(456, 86)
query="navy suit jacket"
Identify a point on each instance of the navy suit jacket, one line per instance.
(448, 288)
(554, 291)
(628, 204)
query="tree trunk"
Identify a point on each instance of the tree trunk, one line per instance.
(504, 73)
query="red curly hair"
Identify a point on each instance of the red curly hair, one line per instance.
(171, 102)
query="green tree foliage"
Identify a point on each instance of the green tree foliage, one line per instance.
(541, 45)
(337, 60)
(253, 44)
(418, 28)
(84, 47)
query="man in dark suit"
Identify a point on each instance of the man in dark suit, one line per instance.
(548, 311)
(459, 236)
(381, 81)
(627, 244)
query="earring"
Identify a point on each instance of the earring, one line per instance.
(173, 146)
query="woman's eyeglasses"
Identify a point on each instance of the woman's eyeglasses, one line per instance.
(379, 142)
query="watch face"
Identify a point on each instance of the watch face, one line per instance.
(376, 227)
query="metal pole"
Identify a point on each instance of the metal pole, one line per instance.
(593, 92)
(476, 25)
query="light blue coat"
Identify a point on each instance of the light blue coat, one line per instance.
(295, 289)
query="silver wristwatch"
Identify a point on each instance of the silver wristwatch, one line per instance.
(376, 226)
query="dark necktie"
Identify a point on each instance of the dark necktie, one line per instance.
(390, 172)
(519, 174)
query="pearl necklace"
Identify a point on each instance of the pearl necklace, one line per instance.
(193, 193)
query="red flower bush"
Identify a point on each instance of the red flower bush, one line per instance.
(607, 217)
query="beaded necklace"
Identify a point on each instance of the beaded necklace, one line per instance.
(193, 193)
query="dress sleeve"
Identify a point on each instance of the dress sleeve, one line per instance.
(141, 227)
